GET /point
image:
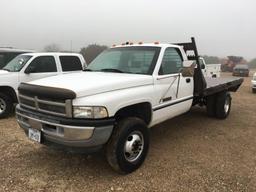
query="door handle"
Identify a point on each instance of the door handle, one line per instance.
(188, 80)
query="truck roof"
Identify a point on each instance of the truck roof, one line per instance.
(10, 49)
(51, 53)
(163, 45)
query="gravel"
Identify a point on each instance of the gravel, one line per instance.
(189, 153)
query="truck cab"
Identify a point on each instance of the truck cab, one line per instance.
(31, 66)
(125, 91)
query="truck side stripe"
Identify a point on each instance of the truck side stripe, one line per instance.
(172, 103)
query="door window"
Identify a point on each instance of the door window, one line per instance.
(1, 61)
(171, 63)
(43, 64)
(70, 63)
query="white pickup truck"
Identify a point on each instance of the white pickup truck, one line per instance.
(123, 92)
(210, 70)
(32, 66)
(254, 83)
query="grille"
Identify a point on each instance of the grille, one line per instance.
(47, 105)
(243, 70)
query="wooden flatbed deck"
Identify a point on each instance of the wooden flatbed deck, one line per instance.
(215, 85)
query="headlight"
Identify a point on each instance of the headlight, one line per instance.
(90, 112)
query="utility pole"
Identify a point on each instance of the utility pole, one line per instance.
(71, 48)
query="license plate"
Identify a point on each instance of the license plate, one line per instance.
(34, 135)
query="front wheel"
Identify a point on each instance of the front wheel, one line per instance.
(128, 146)
(6, 105)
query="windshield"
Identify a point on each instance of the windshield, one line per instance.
(241, 67)
(136, 60)
(17, 63)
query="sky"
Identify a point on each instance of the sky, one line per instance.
(221, 27)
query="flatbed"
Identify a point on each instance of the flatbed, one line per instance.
(216, 85)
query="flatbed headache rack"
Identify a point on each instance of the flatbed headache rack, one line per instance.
(190, 46)
(199, 80)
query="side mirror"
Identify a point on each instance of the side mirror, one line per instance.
(188, 71)
(203, 66)
(30, 69)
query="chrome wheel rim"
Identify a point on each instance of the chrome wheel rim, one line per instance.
(227, 105)
(2, 105)
(133, 146)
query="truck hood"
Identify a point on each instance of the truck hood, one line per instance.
(3, 72)
(91, 83)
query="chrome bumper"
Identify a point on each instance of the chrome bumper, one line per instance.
(54, 129)
(253, 84)
(68, 135)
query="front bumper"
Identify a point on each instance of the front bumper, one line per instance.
(253, 84)
(64, 131)
(243, 74)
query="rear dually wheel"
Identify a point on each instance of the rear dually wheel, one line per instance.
(223, 105)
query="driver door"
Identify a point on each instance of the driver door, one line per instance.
(174, 93)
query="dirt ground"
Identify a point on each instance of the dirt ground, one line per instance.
(188, 153)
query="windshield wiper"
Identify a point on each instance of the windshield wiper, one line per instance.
(112, 70)
(87, 69)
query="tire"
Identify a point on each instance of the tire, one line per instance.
(223, 105)
(211, 105)
(6, 105)
(127, 131)
(254, 90)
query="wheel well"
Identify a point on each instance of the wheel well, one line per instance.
(10, 92)
(140, 110)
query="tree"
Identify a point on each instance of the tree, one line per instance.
(252, 63)
(211, 59)
(92, 51)
(52, 48)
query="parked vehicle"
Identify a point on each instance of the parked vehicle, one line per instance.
(7, 54)
(32, 66)
(123, 92)
(210, 70)
(254, 83)
(241, 70)
(230, 62)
